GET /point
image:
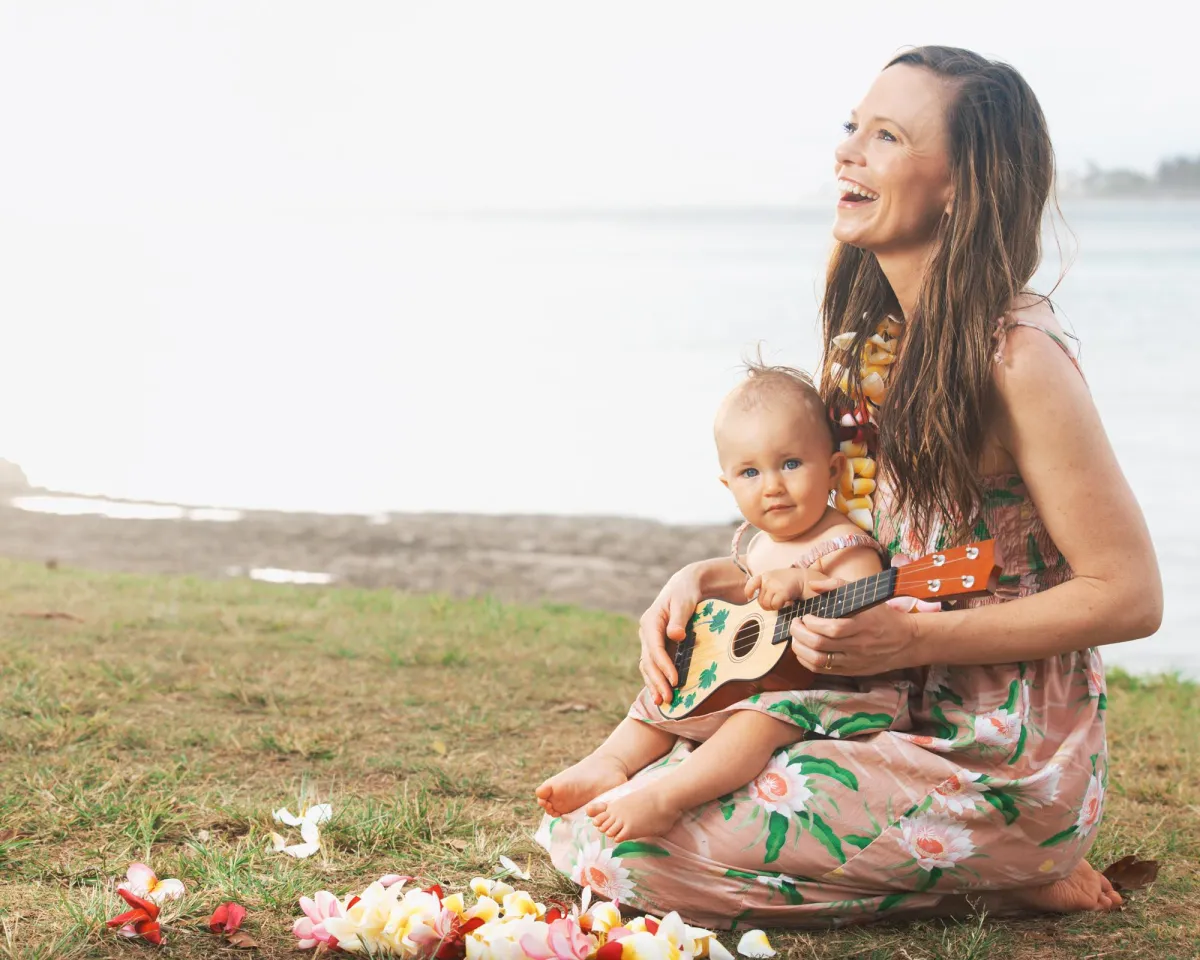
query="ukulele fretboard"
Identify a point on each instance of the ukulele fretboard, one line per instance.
(842, 602)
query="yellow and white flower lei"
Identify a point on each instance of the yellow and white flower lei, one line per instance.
(855, 493)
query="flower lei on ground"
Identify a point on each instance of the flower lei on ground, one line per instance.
(857, 423)
(388, 919)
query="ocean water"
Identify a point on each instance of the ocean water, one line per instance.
(536, 364)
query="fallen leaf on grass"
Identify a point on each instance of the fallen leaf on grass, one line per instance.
(242, 940)
(50, 615)
(457, 843)
(1130, 873)
(571, 708)
(6, 835)
(438, 747)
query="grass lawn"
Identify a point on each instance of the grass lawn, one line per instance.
(169, 720)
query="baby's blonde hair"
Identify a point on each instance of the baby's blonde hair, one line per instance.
(767, 383)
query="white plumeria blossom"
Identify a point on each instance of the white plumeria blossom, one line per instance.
(958, 793)
(310, 836)
(317, 814)
(754, 943)
(780, 788)
(513, 869)
(600, 871)
(1093, 805)
(1041, 789)
(936, 841)
(308, 820)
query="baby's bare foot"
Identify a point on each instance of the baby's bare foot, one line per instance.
(1085, 889)
(580, 783)
(643, 813)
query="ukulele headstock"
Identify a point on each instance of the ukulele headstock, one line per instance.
(971, 570)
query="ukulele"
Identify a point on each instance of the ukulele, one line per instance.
(734, 650)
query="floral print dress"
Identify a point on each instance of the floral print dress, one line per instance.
(951, 780)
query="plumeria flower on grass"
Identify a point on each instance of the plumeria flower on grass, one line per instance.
(139, 921)
(754, 943)
(141, 881)
(307, 821)
(512, 870)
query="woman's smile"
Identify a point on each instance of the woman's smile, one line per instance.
(852, 194)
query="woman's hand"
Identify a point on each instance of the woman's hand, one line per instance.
(667, 616)
(874, 641)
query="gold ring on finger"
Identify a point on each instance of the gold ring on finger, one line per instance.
(829, 661)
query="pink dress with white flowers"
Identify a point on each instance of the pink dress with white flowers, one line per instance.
(977, 778)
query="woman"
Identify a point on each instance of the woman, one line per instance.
(989, 778)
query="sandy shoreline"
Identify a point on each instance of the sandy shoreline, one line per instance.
(608, 563)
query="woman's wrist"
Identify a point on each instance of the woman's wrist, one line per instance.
(712, 575)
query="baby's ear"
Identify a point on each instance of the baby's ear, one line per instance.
(837, 466)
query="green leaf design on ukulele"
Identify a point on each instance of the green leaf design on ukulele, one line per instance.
(709, 676)
(717, 623)
(676, 699)
(689, 700)
(708, 609)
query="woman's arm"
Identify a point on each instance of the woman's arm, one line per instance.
(1048, 423)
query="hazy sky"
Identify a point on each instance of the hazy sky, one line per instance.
(145, 109)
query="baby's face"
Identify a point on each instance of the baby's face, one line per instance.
(778, 463)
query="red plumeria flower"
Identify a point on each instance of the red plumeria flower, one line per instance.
(227, 918)
(141, 921)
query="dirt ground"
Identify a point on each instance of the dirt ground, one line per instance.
(606, 563)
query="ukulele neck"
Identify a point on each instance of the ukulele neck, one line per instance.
(842, 602)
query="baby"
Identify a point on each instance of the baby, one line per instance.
(780, 461)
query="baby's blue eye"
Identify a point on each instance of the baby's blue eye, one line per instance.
(792, 464)
(750, 473)
(849, 126)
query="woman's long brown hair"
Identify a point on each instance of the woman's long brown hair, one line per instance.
(932, 421)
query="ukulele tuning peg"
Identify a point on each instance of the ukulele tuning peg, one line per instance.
(972, 553)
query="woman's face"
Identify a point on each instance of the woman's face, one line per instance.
(893, 168)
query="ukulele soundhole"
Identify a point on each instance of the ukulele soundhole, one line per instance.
(746, 638)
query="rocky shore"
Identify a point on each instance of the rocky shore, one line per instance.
(606, 563)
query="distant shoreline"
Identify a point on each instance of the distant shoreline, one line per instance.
(607, 563)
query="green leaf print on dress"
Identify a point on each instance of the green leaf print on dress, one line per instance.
(818, 711)
(773, 880)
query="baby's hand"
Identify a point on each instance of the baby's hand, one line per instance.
(777, 587)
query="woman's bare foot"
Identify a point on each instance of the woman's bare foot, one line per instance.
(1085, 889)
(580, 783)
(643, 813)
